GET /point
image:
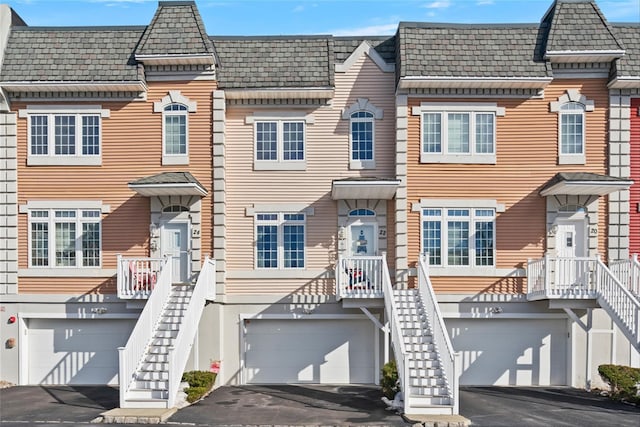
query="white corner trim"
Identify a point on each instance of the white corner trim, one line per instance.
(279, 207)
(491, 107)
(365, 48)
(572, 95)
(362, 104)
(280, 115)
(458, 203)
(176, 97)
(64, 204)
(63, 109)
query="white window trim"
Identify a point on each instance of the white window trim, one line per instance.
(279, 207)
(451, 271)
(52, 159)
(362, 104)
(472, 108)
(280, 222)
(79, 269)
(572, 95)
(279, 164)
(175, 97)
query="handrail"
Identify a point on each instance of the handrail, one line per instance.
(628, 273)
(181, 349)
(136, 277)
(130, 356)
(399, 348)
(439, 330)
(556, 277)
(620, 301)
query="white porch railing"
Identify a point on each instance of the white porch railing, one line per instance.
(131, 354)
(360, 277)
(622, 305)
(448, 357)
(399, 348)
(136, 277)
(628, 273)
(560, 277)
(181, 349)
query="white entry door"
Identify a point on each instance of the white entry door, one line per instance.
(175, 245)
(363, 239)
(570, 247)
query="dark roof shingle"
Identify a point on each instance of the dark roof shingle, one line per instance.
(385, 46)
(275, 62)
(460, 50)
(71, 54)
(629, 64)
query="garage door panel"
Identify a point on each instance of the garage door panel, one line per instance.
(309, 351)
(510, 352)
(77, 351)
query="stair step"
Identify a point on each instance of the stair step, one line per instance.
(403, 311)
(168, 326)
(162, 341)
(422, 351)
(156, 358)
(435, 391)
(152, 376)
(154, 366)
(151, 384)
(174, 312)
(163, 333)
(145, 393)
(170, 319)
(158, 349)
(421, 401)
(176, 305)
(426, 382)
(419, 339)
(425, 372)
(423, 364)
(417, 332)
(411, 325)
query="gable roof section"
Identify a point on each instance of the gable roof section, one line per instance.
(460, 55)
(579, 32)
(384, 46)
(365, 48)
(42, 58)
(627, 68)
(176, 35)
(278, 62)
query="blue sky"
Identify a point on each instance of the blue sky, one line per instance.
(337, 17)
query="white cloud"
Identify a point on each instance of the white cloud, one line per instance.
(484, 2)
(298, 8)
(442, 4)
(372, 30)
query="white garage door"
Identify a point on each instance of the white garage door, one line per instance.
(75, 351)
(511, 352)
(310, 351)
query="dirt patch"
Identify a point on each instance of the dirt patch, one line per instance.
(6, 384)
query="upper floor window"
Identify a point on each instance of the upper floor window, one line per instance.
(459, 237)
(65, 238)
(279, 140)
(280, 240)
(64, 135)
(572, 108)
(362, 115)
(458, 133)
(175, 109)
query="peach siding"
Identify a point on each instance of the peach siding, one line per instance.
(527, 146)
(131, 149)
(327, 155)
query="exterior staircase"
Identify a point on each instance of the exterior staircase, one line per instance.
(150, 385)
(155, 356)
(427, 386)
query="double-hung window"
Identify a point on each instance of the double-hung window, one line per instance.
(280, 240)
(64, 136)
(175, 130)
(65, 238)
(458, 133)
(279, 144)
(459, 237)
(572, 130)
(362, 138)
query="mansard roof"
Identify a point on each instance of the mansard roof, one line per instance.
(578, 26)
(473, 51)
(629, 35)
(79, 54)
(275, 62)
(176, 29)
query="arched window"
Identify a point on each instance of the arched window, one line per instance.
(572, 128)
(362, 136)
(572, 209)
(175, 209)
(362, 212)
(175, 130)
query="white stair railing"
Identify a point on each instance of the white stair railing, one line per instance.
(181, 349)
(136, 277)
(360, 276)
(397, 340)
(130, 356)
(447, 355)
(628, 273)
(622, 305)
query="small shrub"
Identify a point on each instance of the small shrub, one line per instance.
(389, 380)
(200, 382)
(623, 381)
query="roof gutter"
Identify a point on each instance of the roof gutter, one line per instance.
(424, 82)
(556, 56)
(65, 86)
(197, 59)
(281, 93)
(625, 83)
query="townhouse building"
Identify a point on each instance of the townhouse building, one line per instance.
(302, 209)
